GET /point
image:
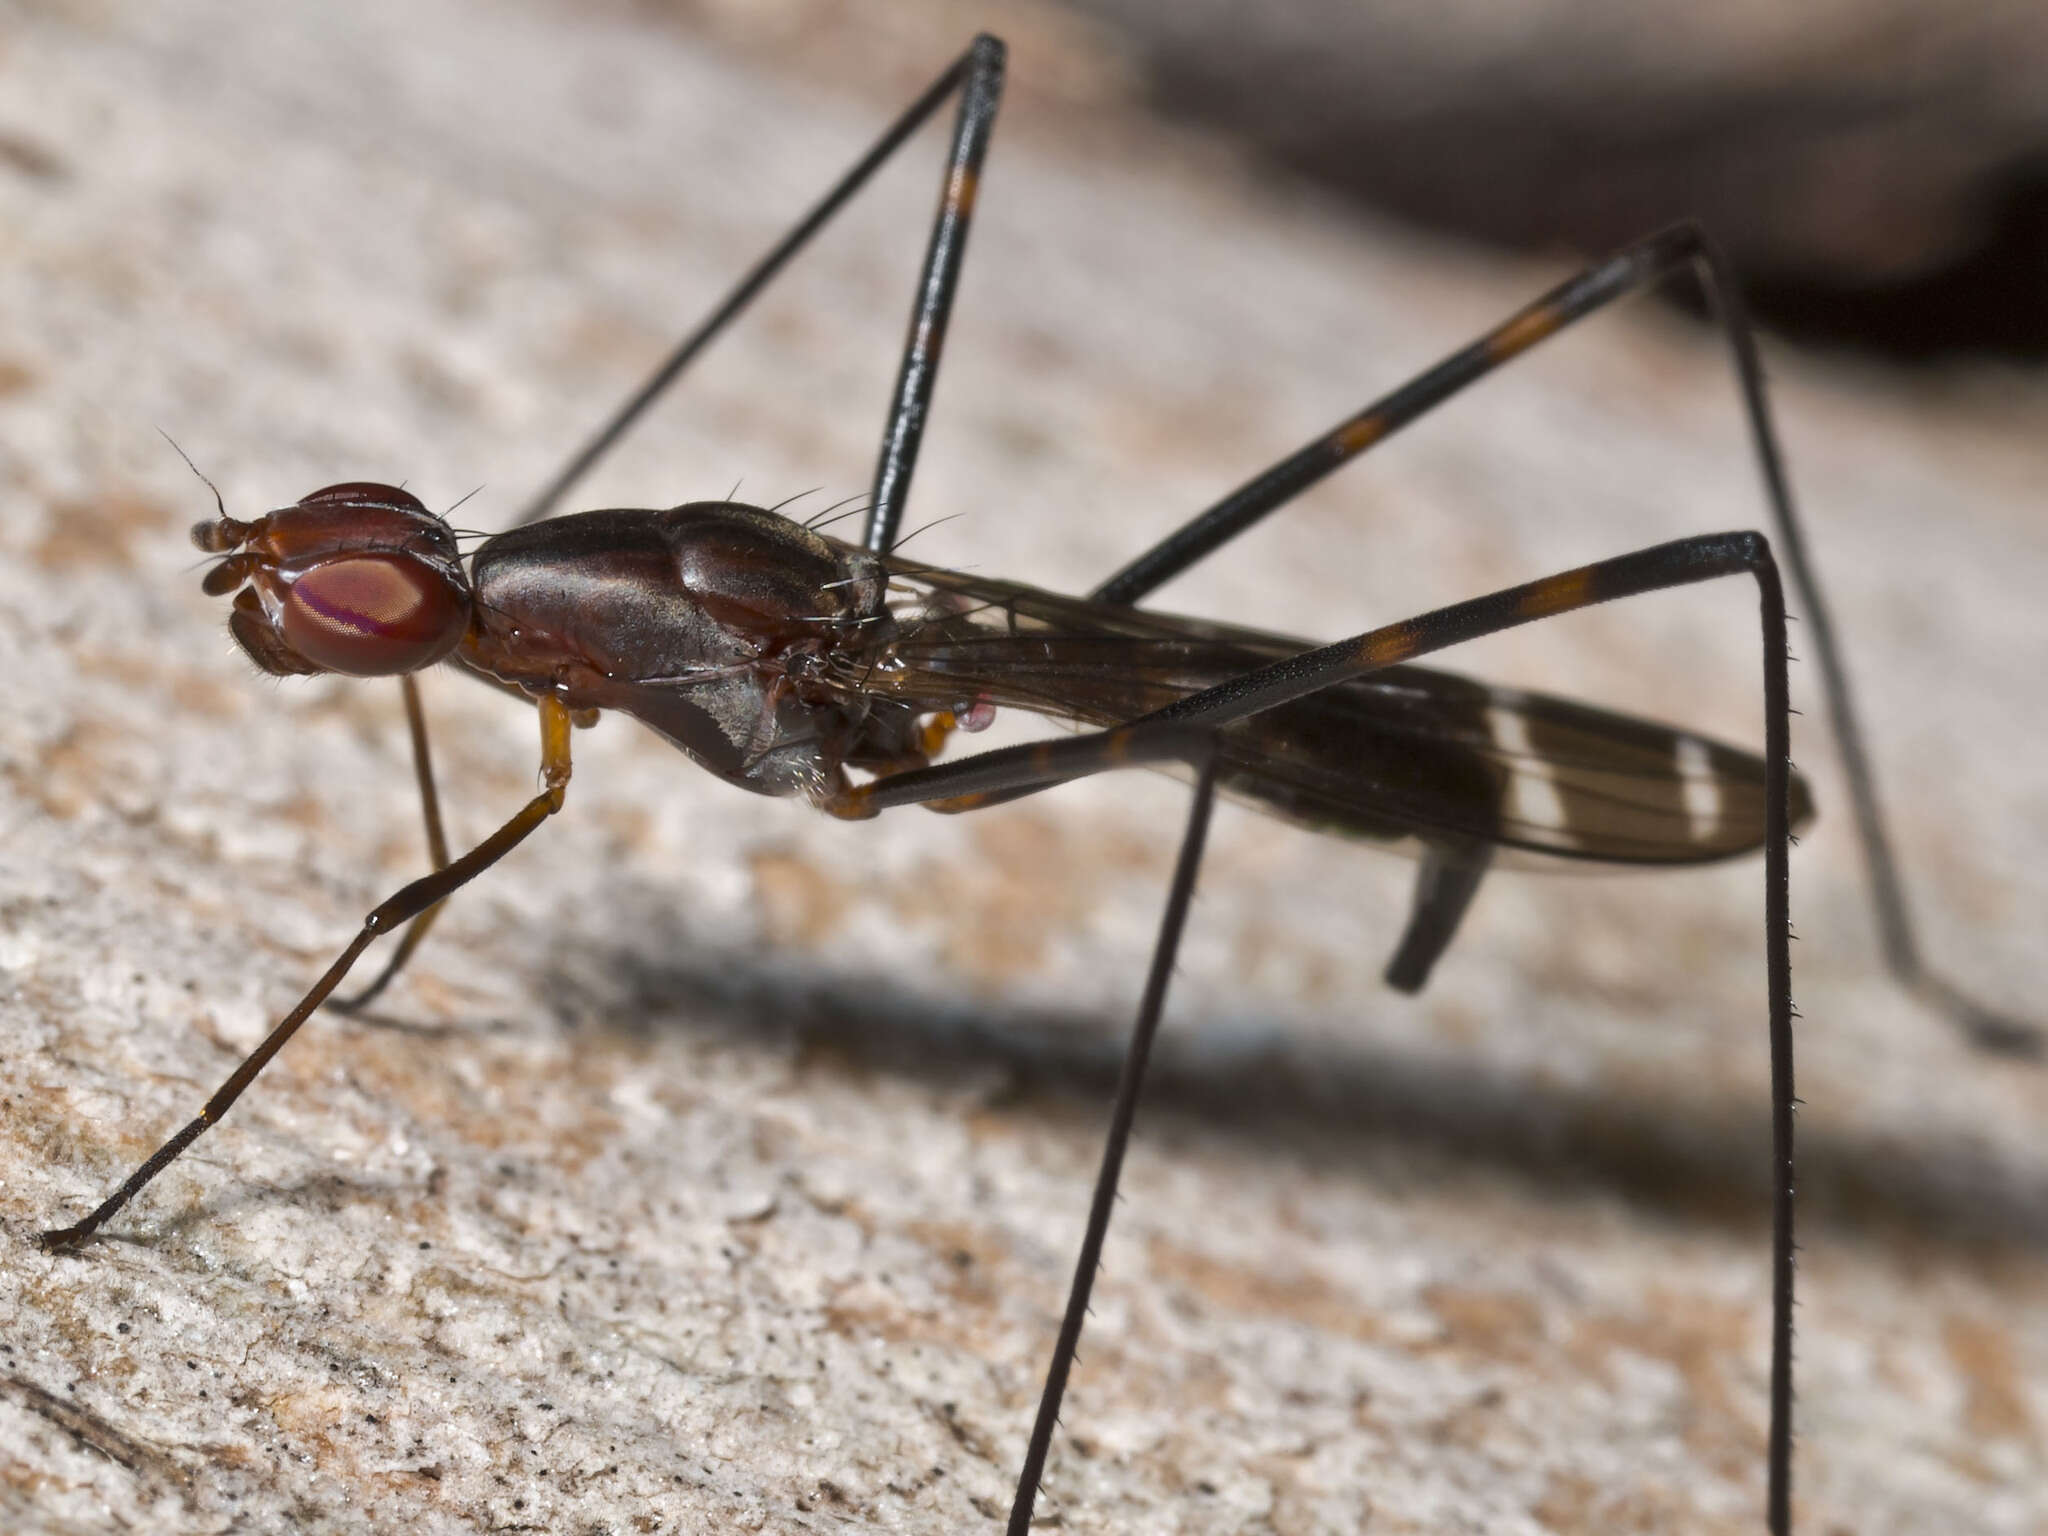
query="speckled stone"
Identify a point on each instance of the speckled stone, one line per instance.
(720, 1168)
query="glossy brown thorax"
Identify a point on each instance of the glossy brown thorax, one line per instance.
(737, 634)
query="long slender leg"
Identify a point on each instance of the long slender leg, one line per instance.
(1124, 1112)
(410, 902)
(980, 68)
(936, 287)
(1682, 247)
(437, 850)
(1636, 266)
(1180, 732)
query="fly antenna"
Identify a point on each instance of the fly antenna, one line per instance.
(218, 505)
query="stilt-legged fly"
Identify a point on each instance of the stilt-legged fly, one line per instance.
(792, 663)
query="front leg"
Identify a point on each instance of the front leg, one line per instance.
(408, 903)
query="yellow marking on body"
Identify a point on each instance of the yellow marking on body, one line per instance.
(1523, 332)
(1569, 589)
(1394, 643)
(851, 803)
(1359, 433)
(965, 185)
(555, 723)
(933, 738)
(1117, 748)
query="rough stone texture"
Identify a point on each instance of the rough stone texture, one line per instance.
(721, 1168)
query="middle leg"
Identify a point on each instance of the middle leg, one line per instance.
(1184, 732)
(406, 905)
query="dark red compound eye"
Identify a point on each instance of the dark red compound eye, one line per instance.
(374, 615)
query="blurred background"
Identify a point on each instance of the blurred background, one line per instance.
(1877, 169)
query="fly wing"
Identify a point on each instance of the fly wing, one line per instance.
(1406, 752)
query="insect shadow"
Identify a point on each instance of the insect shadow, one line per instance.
(788, 662)
(1332, 1099)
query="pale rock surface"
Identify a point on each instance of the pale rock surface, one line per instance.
(720, 1168)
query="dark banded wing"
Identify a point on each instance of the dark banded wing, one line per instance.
(1405, 753)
